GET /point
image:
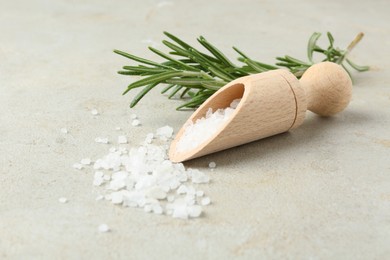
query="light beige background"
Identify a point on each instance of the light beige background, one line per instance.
(319, 192)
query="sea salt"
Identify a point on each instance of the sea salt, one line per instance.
(103, 228)
(122, 139)
(94, 112)
(164, 133)
(99, 197)
(149, 138)
(205, 201)
(63, 200)
(135, 122)
(212, 165)
(64, 130)
(144, 177)
(102, 140)
(86, 161)
(204, 128)
(78, 166)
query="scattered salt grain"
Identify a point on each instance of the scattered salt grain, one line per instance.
(164, 3)
(199, 193)
(122, 139)
(86, 161)
(195, 211)
(148, 208)
(117, 128)
(98, 179)
(102, 140)
(198, 176)
(78, 166)
(99, 197)
(212, 165)
(149, 138)
(164, 132)
(205, 201)
(157, 209)
(135, 122)
(63, 200)
(94, 112)
(64, 130)
(103, 228)
(117, 197)
(156, 193)
(204, 128)
(182, 189)
(133, 116)
(144, 177)
(170, 198)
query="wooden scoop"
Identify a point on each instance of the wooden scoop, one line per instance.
(271, 103)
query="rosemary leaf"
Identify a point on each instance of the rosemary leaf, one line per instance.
(199, 75)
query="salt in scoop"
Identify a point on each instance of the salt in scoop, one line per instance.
(271, 103)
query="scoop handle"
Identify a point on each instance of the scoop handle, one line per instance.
(328, 88)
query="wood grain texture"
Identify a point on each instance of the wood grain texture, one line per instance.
(328, 88)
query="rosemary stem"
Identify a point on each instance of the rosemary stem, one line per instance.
(354, 42)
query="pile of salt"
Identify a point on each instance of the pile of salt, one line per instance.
(144, 177)
(204, 128)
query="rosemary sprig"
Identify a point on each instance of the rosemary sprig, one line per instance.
(197, 75)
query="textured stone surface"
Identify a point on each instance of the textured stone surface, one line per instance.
(321, 191)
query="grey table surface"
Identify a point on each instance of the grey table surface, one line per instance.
(321, 191)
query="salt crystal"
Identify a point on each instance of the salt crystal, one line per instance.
(78, 166)
(196, 133)
(148, 208)
(205, 201)
(144, 177)
(189, 200)
(149, 138)
(94, 112)
(102, 140)
(170, 198)
(133, 116)
(194, 211)
(86, 161)
(235, 103)
(182, 189)
(212, 165)
(122, 139)
(199, 193)
(156, 193)
(198, 176)
(117, 197)
(99, 197)
(117, 128)
(103, 228)
(135, 122)
(98, 179)
(64, 130)
(180, 211)
(164, 3)
(157, 209)
(164, 132)
(63, 200)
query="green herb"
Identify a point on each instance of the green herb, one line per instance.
(197, 75)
